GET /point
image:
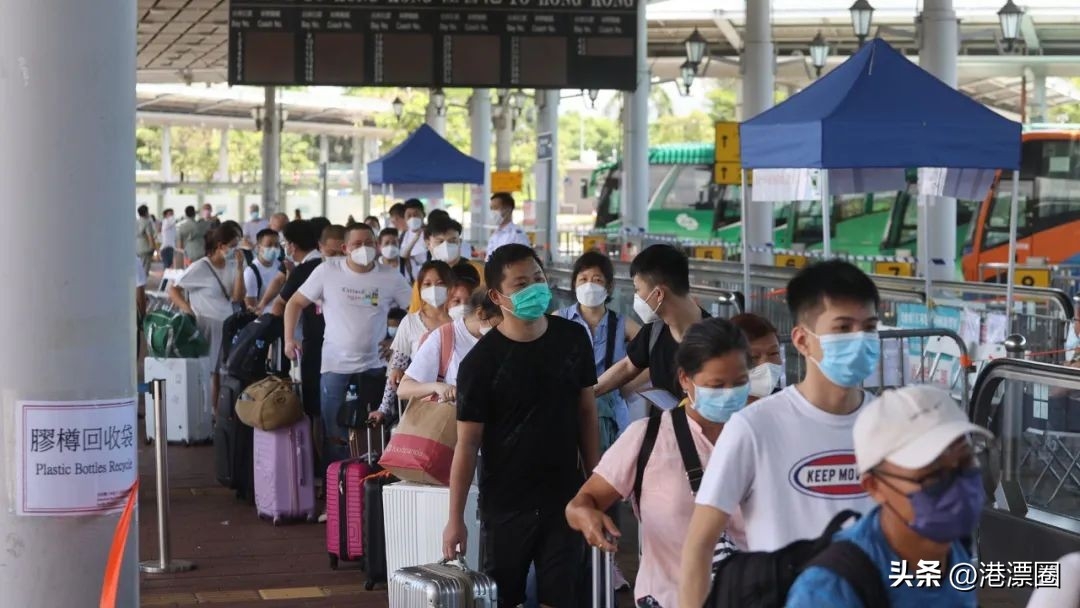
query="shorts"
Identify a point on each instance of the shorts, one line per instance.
(512, 541)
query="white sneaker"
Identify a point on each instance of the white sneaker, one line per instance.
(322, 520)
(619, 581)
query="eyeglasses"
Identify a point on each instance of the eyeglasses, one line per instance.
(936, 482)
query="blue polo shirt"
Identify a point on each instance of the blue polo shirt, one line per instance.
(818, 587)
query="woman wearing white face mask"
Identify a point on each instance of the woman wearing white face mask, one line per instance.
(429, 374)
(208, 289)
(766, 366)
(436, 279)
(593, 278)
(712, 370)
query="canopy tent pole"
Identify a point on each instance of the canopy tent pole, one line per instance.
(1014, 216)
(826, 214)
(748, 307)
(922, 229)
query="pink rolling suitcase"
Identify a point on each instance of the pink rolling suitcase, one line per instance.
(345, 504)
(284, 473)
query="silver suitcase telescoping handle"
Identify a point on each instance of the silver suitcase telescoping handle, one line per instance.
(603, 590)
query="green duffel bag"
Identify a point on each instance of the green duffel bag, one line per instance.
(174, 335)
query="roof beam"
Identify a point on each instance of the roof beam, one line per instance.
(1030, 33)
(727, 28)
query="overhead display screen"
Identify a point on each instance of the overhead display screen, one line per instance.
(543, 44)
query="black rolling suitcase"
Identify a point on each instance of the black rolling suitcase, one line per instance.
(373, 530)
(233, 442)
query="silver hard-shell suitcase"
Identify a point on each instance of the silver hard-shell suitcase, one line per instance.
(447, 584)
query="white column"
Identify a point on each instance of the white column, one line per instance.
(758, 83)
(359, 173)
(271, 149)
(480, 149)
(940, 46)
(324, 172)
(166, 154)
(69, 82)
(504, 136)
(434, 119)
(635, 206)
(223, 157)
(547, 173)
(1038, 110)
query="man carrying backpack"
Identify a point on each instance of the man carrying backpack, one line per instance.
(788, 463)
(916, 461)
(662, 301)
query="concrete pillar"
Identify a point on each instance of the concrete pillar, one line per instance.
(1038, 106)
(68, 72)
(271, 150)
(504, 136)
(758, 82)
(940, 46)
(635, 196)
(166, 154)
(435, 120)
(547, 172)
(324, 173)
(480, 149)
(359, 173)
(223, 157)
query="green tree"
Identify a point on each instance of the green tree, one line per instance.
(602, 134)
(694, 127)
(722, 101)
(194, 153)
(148, 148)
(245, 155)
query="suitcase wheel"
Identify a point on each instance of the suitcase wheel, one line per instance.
(333, 562)
(369, 585)
(277, 521)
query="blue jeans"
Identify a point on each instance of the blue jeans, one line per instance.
(335, 438)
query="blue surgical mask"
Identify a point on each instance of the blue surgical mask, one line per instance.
(719, 404)
(949, 513)
(391, 331)
(532, 302)
(850, 358)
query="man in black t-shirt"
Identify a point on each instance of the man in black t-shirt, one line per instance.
(302, 246)
(524, 395)
(662, 299)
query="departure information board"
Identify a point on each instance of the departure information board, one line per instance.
(542, 44)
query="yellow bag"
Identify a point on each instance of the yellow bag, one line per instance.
(270, 403)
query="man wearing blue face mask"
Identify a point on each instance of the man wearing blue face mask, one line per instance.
(788, 462)
(524, 395)
(917, 463)
(261, 271)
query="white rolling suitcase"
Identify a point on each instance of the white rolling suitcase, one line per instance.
(414, 517)
(188, 415)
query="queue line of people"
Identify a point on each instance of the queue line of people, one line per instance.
(537, 397)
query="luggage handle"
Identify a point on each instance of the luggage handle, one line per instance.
(458, 562)
(382, 439)
(300, 468)
(603, 593)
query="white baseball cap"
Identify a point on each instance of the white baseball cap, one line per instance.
(910, 427)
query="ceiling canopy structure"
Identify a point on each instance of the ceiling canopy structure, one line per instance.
(187, 40)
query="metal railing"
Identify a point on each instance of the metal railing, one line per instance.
(1016, 398)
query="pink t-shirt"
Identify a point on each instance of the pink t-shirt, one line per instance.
(666, 503)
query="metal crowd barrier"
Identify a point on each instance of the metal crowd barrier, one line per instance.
(1031, 468)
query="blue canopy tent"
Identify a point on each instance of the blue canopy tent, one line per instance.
(425, 157)
(878, 110)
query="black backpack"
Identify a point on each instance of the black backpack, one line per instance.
(230, 330)
(762, 579)
(248, 359)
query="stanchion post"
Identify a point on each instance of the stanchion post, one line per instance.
(164, 563)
